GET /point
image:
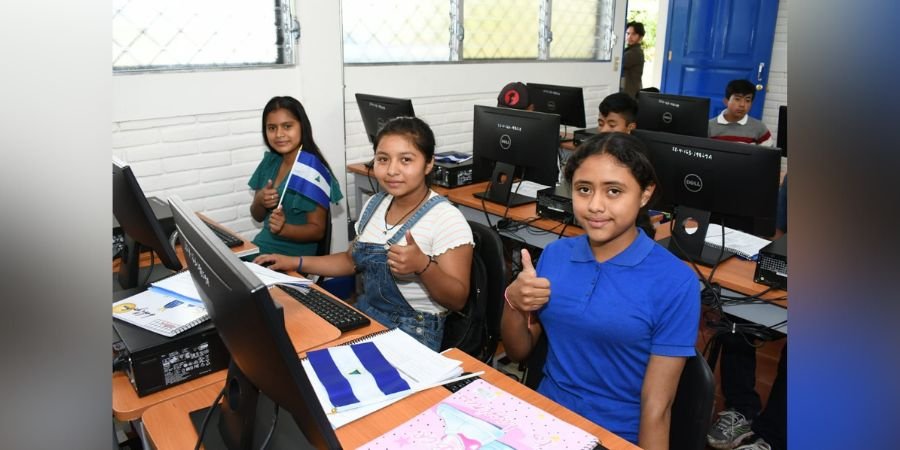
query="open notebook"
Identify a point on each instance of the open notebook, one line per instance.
(482, 415)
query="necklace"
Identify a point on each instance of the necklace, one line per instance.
(386, 211)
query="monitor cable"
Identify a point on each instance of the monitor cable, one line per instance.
(271, 432)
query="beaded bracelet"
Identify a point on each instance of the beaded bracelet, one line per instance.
(299, 264)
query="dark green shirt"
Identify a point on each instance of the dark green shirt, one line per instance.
(295, 206)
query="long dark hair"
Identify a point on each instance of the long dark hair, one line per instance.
(631, 152)
(296, 108)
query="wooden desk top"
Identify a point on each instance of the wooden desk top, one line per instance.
(465, 196)
(168, 424)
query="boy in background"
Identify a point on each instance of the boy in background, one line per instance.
(733, 124)
(618, 112)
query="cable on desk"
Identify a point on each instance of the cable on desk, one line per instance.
(209, 412)
(265, 443)
(152, 266)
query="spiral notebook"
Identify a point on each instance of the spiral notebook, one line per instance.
(159, 312)
(482, 415)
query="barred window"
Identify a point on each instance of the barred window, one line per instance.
(151, 35)
(397, 31)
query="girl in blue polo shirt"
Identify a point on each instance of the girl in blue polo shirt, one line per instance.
(619, 311)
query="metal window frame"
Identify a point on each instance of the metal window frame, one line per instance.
(286, 44)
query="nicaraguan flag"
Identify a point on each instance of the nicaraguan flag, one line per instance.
(310, 178)
(355, 373)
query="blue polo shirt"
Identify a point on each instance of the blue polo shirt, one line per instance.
(604, 320)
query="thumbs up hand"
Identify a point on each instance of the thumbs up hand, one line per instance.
(405, 259)
(528, 292)
(268, 195)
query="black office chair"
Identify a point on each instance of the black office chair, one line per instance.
(340, 287)
(476, 329)
(534, 365)
(693, 405)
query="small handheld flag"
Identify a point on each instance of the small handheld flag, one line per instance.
(311, 178)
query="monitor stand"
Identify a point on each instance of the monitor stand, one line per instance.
(691, 245)
(500, 187)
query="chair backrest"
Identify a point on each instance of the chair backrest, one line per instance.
(324, 245)
(476, 329)
(534, 365)
(692, 408)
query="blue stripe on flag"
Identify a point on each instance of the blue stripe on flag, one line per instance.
(339, 391)
(309, 177)
(386, 376)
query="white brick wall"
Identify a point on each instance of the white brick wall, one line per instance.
(205, 159)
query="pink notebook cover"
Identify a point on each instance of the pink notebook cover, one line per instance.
(483, 416)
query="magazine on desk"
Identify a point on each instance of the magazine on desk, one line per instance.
(482, 415)
(350, 385)
(160, 313)
(182, 286)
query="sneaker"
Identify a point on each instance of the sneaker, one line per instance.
(758, 444)
(729, 430)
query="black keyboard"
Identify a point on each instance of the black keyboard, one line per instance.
(343, 317)
(227, 238)
(457, 385)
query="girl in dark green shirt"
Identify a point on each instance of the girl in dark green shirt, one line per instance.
(295, 224)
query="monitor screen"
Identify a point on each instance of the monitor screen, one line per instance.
(670, 113)
(376, 110)
(142, 230)
(527, 140)
(251, 327)
(567, 101)
(781, 141)
(736, 182)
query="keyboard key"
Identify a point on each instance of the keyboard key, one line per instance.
(227, 238)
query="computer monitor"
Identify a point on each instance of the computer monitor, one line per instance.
(141, 228)
(376, 110)
(567, 101)
(716, 180)
(252, 328)
(670, 113)
(509, 144)
(781, 141)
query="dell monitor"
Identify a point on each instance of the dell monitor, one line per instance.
(670, 113)
(567, 101)
(251, 326)
(141, 228)
(376, 110)
(733, 183)
(509, 144)
(781, 141)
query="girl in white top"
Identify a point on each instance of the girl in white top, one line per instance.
(413, 250)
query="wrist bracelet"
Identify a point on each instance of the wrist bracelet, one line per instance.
(299, 264)
(430, 260)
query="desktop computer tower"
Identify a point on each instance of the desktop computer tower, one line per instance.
(451, 175)
(771, 265)
(555, 203)
(154, 362)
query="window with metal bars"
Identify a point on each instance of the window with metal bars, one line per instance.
(404, 31)
(157, 35)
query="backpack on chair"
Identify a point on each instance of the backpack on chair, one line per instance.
(467, 329)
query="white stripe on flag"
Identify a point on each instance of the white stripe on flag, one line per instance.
(313, 176)
(361, 380)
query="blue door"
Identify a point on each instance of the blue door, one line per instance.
(711, 42)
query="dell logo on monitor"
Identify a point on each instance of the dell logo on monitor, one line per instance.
(505, 141)
(693, 182)
(667, 117)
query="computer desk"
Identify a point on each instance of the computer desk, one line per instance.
(168, 425)
(734, 274)
(307, 331)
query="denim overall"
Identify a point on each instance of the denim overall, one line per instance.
(380, 297)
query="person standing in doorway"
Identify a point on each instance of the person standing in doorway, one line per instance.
(633, 59)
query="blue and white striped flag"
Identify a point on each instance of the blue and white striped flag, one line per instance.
(311, 178)
(355, 373)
